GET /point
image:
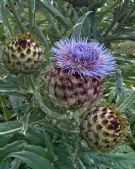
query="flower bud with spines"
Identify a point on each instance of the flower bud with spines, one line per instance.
(103, 128)
(76, 76)
(22, 54)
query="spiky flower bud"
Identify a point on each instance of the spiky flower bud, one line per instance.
(77, 72)
(103, 128)
(22, 54)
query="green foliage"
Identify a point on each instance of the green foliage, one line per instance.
(35, 133)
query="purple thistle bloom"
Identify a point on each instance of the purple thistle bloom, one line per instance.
(84, 58)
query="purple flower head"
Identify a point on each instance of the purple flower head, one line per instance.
(84, 58)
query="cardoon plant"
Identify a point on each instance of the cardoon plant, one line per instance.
(70, 106)
(104, 128)
(22, 54)
(76, 77)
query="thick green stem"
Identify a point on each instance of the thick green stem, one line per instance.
(31, 4)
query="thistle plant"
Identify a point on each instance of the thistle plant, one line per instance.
(76, 77)
(67, 87)
(22, 54)
(104, 128)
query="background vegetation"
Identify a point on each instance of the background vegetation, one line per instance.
(33, 137)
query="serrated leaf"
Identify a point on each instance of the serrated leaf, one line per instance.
(4, 166)
(5, 20)
(128, 101)
(42, 37)
(9, 148)
(56, 13)
(34, 136)
(15, 164)
(37, 149)
(33, 160)
(79, 26)
(113, 160)
(10, 127)
(49, 146)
